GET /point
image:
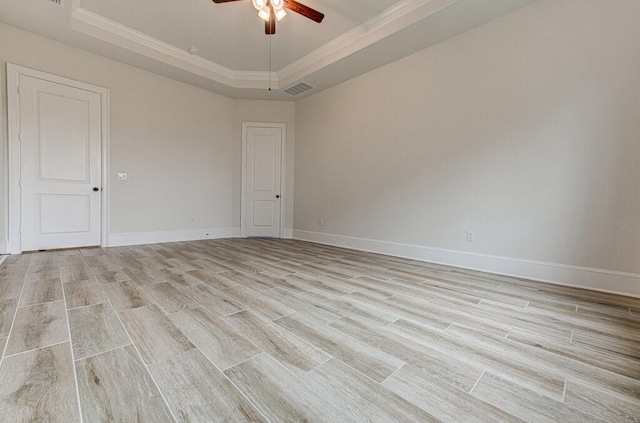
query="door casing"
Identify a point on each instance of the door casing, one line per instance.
(13, 199)
(243, 200)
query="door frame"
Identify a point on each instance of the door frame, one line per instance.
(13, 213)
(283, 198)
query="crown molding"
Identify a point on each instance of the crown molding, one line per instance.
(392, 20)
(399, 16)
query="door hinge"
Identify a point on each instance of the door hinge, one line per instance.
(19, 91)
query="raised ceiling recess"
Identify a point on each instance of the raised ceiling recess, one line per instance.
(232, 56)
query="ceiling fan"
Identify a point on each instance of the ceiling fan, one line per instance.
(273, 10)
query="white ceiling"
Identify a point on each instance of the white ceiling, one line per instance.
(233, 52)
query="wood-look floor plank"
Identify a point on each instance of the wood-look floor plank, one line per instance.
(124, 295)
(214, 301)
(556, 364)
(252, 280)
(43, 271)
(280, 395)
(41, 291)
(10, 287)
(38, 386)
(611, 344)
(604, 406)
(197, 392)
(603, 359)
(7, 311)
(168, 297)
(483, 354)
(211, 278)
(346, 306)
(258, 303)
(83, 293)
(109, 277)
(37, 326)
(303, 305)
(115, 386)
(441, 399)
(370, 361)
(221, 344)
(178, 277)
(361, 398)
(156, 337)
(525, 403)
(294, 352)
(144, 275)
(74, 273)
(453, 371)
(95, 329)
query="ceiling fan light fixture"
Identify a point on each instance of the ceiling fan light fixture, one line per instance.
(277, 4)
(280, 13)
(259, 4)
(264, 14)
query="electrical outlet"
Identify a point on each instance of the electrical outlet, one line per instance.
(321, 222)
(122, 176)
(471, 236)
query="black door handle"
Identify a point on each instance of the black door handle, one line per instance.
(96, 189)
(277, 196)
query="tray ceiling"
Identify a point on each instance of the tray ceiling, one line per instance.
(233, 52)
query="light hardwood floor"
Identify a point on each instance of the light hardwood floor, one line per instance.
(287, 331)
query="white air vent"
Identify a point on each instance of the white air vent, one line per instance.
(58, 2)
(299, 88)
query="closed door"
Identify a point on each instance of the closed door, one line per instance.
(60, 165)
(263, 179)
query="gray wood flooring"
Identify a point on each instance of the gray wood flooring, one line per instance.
(258, 330)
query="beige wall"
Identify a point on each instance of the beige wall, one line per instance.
(525, 130)
(180, 145)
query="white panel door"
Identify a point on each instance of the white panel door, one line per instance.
(60, 165)
(263, 173)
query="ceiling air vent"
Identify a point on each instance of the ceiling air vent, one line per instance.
(299, 88)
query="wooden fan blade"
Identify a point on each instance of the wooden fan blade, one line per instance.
(270, 25)
(224, 1)
(305, 11)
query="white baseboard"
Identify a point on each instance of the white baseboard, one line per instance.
(287, 234)
(560, 274)
(139, 238)
(4, 247)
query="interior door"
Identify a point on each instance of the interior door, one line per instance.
(263, 179)
(60, 165)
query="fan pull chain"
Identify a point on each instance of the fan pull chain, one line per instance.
(270, 37)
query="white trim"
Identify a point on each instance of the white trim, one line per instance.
(13, 158)
(4, 248)
(396, 18)
(140, 238)
(283, 161)
(288, 234)
(560, 274)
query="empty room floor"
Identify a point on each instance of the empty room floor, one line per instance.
(286, 331)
